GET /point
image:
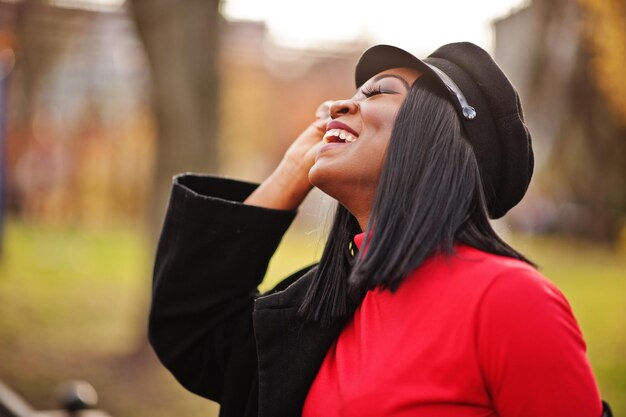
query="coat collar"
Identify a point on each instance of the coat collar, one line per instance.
(290, 297)
(290, 350)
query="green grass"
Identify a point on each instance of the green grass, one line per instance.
(593, 278)
(296, 251)
(73, 303)
(71, 287)
(72, 306)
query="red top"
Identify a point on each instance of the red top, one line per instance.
(473, 335)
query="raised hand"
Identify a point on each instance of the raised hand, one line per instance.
(289, 184)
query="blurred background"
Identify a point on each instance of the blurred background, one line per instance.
(102, 101)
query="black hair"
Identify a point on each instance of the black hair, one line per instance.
(428, 198)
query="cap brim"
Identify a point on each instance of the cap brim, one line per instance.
(383, 57)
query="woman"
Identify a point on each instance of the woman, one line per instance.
(417, 306)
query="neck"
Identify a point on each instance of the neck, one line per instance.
(361, 213)
(363, 220)
(358, 204)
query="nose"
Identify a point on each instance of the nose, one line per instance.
(342, 107)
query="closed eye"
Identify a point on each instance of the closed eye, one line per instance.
(372, 91)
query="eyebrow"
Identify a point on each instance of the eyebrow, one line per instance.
(404, 82)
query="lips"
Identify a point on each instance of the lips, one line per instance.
(337, 132)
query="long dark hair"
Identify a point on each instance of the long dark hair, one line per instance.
(429, 197)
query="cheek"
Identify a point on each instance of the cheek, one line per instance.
(379, 125)
(375, 149)
(375, 160)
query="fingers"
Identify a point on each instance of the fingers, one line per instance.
(322, 114)
(323, 110)
(320, 124)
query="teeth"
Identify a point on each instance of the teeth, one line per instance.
(339, 133)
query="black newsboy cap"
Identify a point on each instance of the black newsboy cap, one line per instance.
(489, 108)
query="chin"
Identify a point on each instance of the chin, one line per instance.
(333, 182)
(322, 179)
(347, 190)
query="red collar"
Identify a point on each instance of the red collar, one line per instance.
(358, 239)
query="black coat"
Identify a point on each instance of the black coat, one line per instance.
(209, 326)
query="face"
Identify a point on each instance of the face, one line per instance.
(348, 165)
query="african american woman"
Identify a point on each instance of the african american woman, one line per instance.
(417, 307)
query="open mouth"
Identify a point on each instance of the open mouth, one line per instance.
(338, 136)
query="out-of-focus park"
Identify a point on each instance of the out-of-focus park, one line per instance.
(102, 102)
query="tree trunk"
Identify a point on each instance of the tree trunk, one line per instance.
(585, 169)
(181, 44)
(181, 40)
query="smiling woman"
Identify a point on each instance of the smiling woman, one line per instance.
(417, 306)
(348, 168)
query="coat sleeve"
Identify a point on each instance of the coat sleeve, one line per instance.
(532, 351)
(212, 254)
